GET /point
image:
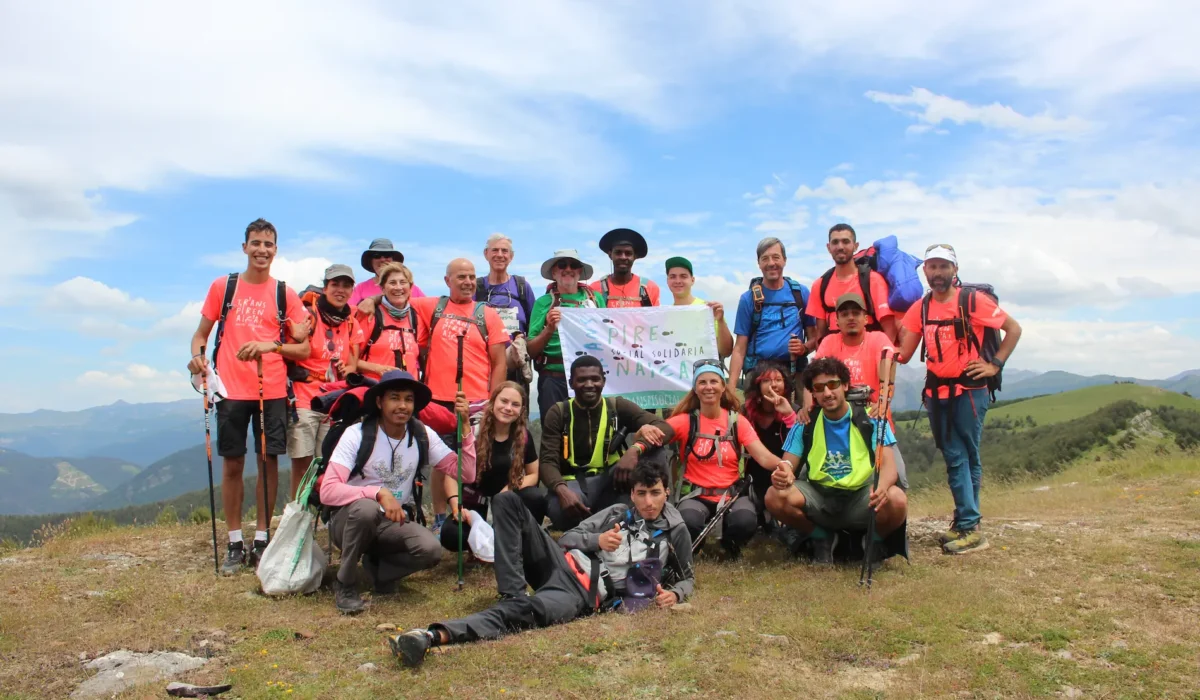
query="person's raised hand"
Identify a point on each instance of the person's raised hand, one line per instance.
(611, 539)
(782, 406)
(718, 309)
(664, 598)
(366, 307)
(553, 317)
(622, 471)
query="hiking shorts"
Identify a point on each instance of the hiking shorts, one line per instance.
(234, 416)
(305, 433)
(836, 509)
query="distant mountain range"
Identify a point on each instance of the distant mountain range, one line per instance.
(129, 454)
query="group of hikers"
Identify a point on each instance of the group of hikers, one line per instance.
(786, 429)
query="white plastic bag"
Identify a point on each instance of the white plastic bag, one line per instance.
(482, 539)
(293, 562)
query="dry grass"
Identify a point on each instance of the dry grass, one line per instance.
(1103, 597)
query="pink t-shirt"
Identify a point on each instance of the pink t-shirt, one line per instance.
(253, 318)
(862, 360)
(371, 288)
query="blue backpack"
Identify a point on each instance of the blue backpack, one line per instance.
(897, 267)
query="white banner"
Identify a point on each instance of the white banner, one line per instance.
(647, 352)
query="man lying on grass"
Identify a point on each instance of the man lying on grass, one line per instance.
(620, 558)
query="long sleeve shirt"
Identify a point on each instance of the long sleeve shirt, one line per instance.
(584, 426)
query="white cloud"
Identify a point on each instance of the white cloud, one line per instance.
(796, 221)
(134, 383)
(86, 295)
(1147, 350)
(935, 109)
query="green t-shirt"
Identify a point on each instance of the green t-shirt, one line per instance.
(537, 322)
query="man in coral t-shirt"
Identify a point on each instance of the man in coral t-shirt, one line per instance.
(842, 245)
(859, 349)
(254, 331)
(484, 363)
(956, 393)
(622, 288)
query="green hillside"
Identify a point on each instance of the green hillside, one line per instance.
(1056, 408)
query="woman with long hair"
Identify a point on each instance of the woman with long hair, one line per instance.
(505, 460)
(710, 456)
(772, 414)
(391, 329)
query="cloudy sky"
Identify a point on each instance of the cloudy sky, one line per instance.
(1054, 144)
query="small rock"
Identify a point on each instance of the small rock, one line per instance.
(123, 669)
(724, 633)
(906, 660)
(385, 627)
(1030, 573)
(567, 656)
(1042, 488)
(95, 594)
(1057, 600)
(303, 634)
(992, 638)
(682, 607)
(367, 668)
(1069, 692)
(777, 639)
(1058, 541)
(1064, 654)
(1120, 644)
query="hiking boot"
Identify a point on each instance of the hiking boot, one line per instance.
(410, 647)
(256, 552)
(822, 549)
(730, 551)
(235, 559)
(967, 542)
(347, 599)
(949, 535)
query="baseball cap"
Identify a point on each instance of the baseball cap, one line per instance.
(850, 298)
(335, 271)
(942, 251)
(680, 261)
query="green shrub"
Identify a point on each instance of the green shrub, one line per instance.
(167, 516)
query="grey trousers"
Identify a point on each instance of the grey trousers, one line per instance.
(400, 549)
(741, 520)
(525, 556)
(597, 492)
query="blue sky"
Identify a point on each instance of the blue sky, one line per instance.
(1054, 144)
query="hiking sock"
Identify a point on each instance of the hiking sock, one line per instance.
(235, 536)
(819, 533)
(260, 535)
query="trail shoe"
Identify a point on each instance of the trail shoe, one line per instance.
(967, 542)
(256, 552)
(347, 599)
(822, 549)
(949, 535)
(235, 559)
(411, 646)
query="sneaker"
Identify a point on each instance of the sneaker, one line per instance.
(411, 646)
(235, 559)
(347, 599)
(256, 552)
(822, 548)
(438, 521)
(949, 535)
(967, 542)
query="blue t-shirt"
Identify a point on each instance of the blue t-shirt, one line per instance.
(837, 443)
(780, 321)
(506, 299)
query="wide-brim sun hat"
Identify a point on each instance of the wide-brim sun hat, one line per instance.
(379, 245)
(566, 254)
(397, 379)
(624, 235)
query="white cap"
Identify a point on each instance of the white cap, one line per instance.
(941, 251)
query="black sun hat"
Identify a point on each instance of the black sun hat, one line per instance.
(624, 235)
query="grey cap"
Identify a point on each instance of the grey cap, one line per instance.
(379, 245)
(338, 270)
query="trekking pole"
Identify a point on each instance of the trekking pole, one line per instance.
(741, 488)
(262, 454)
(462, 513)
(883, 404)
(212, 498)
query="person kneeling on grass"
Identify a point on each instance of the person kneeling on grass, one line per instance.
(372, 493)
(835, 453)
(620, 557)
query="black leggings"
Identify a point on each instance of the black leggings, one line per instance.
(533, 497)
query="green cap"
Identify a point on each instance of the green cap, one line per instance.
(679, 261)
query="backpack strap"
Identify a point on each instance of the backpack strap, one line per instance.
(439, 310)
(864, 286)
(480, 318)
(281, 308)
(604, 286)
(524, 295)
(693, 428)
(866, 426)
(226, 306)
(825, 280)
(644, 295)
(370, 430)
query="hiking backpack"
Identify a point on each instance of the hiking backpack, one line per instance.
(227, 305)
(524, 293)
(643, 295)
(731, 435)
(987, 347)
(800, 301)
(477, 318)
(899, 270)
(380, 327)
(556, 298)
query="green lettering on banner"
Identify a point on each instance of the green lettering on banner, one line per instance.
(653, 333)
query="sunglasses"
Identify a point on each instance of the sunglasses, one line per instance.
(706, 363)
(569, 265)
(832, 384)
(935, 246)
(381, 256)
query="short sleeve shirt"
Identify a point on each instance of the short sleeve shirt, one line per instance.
(862, 360)
(837, 443)
(779, 322)
(493, 477)
(442, 347)
(345, 338)
(507, 299)
(838, 287)
(396, 344)
(553, 349)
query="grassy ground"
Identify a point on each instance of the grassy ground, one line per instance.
(1090, 585)
(1057, 408)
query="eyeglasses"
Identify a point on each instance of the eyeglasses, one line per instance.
(569, 265)
(832, 384)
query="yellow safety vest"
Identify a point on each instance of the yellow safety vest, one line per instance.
(598, 461)
(860, 459)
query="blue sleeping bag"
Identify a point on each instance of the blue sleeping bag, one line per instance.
(900, 270)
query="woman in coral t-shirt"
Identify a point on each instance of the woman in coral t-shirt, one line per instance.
(396, 346)
(710, 465)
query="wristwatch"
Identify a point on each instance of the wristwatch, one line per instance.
(278, 346)
(998, 362)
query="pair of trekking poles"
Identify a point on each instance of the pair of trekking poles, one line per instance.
(262, 459)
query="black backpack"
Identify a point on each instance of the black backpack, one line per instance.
(643, 295)
(378, 330)
(524, 293)
(866, 262)
(963, 330)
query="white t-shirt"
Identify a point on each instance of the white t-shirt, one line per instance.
(393, 463)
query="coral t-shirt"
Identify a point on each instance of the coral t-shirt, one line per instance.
(838, 287)
(442, 360)
(397, 336)
(253, 318)
(955, 354)
(862, 360)
(627, 296)
(720, 469)
(345, 337)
